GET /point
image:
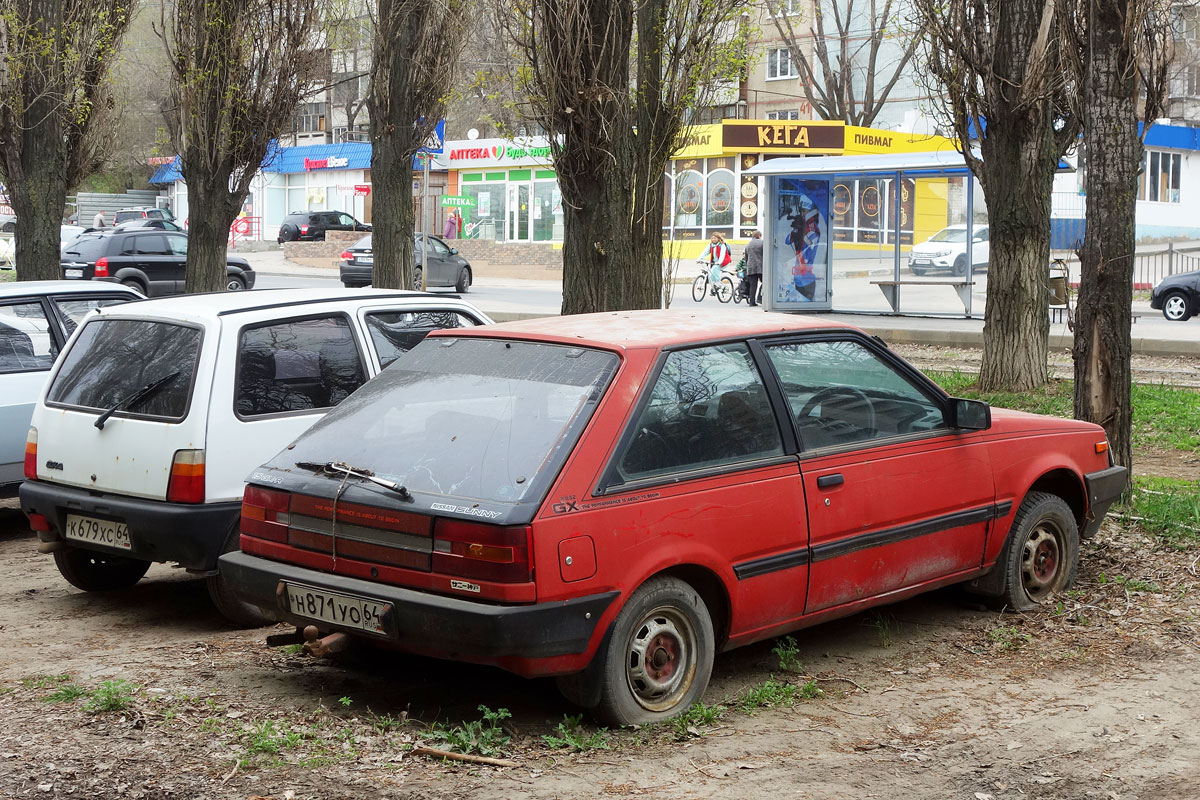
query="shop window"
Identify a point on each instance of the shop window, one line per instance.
(689, 200)
(720, 199)
(779, 64)
(1159, 179)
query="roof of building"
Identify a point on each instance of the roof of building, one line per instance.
(628, 330)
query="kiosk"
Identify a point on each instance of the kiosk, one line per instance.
(800, 208)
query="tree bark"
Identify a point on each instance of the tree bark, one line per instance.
(211, 210)
(393, 220)
(1017, 183)
(38, 192)
(599, 271)
(1103, 313)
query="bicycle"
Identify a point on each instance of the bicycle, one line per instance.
(723, 288)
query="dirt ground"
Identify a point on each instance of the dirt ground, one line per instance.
(935, 697)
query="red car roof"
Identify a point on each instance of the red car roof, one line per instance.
(628, 330)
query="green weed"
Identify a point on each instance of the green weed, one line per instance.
(788, 653)
(699, 715)
(292, 649)
(1008, 637)
(345, 701)
(769, 694)
(885, 626)
(1137, 584)
(387, 722)
(44, 681)
(66, 694)
(111, 696)
(571, 736)
(483, 737)
(268, 738)
(810, 691)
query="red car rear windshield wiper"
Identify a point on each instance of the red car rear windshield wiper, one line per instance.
(342, 468)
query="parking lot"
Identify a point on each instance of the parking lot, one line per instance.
(931, 698)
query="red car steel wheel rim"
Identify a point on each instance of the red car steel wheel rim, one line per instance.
(1042, 561)
(661, 659)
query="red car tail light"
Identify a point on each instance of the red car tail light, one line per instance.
(101, 270)
(487, 552)
(265, 513)
(31, 455)
(186, 484)
(346, 256)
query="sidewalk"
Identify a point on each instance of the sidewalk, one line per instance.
(507, 298)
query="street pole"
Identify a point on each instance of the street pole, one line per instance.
(424, 214)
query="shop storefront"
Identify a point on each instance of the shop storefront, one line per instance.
(707, 189)
(509, 188)
(327, 177)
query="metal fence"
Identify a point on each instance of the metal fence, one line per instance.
(1151, 266)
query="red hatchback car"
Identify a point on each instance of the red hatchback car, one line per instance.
(615, 498)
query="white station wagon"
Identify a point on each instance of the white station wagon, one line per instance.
(155, 415)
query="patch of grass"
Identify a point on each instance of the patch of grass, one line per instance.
(1009, 637)
(8, 275)
(788, 653)
(212, 725)
(66, 694)
(482, 737)
(571, 736)
(885, 626)
(769, 694)
(44, 681)
(699, 715)
(810, 691)
(1163, 416)
(111, 696)
(1169, 508)
(268, 738)
(388, 722)
(1166, 416)
(1136, 584)
(292, 649)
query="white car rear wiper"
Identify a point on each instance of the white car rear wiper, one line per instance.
(342, 468)
(144, 393)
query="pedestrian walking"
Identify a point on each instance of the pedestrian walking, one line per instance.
(754, 266)
(98, 221)
(451, 228)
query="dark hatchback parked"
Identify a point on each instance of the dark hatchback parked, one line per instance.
(446, 266)
(150, 261)
(311, 226)
(1177, 296)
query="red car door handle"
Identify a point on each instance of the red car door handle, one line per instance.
(825, 481)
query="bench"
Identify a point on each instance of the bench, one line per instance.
(1060, 314)
(891, 290)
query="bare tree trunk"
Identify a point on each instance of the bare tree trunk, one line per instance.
(392, 216)
(654, 124)
(38, 191)
(598, 264)
(211, 211)
(1017, 187)
(1102, 322)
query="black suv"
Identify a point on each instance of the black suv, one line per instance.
(310, 226)
(142, 212)
(151, 261)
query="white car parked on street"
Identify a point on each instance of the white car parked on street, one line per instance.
(947, 250)
(154, 417)
(36, 319)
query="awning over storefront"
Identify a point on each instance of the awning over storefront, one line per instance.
(946, 163)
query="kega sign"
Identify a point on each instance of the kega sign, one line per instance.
(334, 162)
